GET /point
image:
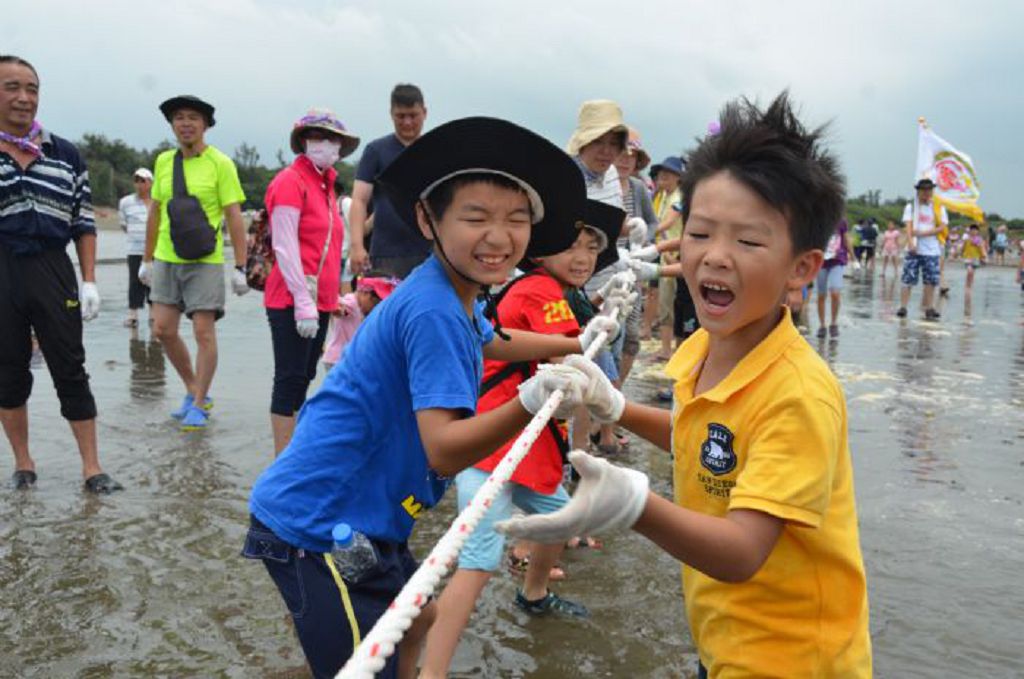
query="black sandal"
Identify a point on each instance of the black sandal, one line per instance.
(102, 484)
(23, 479)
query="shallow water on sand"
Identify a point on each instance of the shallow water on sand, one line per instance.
(149, 581)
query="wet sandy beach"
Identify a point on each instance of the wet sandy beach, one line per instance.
(149, 582)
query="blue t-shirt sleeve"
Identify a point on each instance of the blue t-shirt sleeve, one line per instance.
(442, 363)
(484, 325)
(369, 164)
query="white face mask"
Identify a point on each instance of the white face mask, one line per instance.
(323, 152)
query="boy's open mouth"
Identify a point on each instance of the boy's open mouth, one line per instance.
(717, 296)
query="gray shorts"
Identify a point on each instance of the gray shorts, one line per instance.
(190, 287)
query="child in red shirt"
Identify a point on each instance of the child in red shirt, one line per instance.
(536, 302)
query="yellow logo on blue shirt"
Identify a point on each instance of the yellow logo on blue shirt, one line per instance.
(716, 453)
(71, 304)
(414, 508)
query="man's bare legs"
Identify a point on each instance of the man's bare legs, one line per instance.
(205, 331)
(166, 319)
(165, 328)
(15, 424)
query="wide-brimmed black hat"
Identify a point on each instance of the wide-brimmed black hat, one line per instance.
(605, 218)
(608, 220)
(475, 145)
(188, 101)
(924, 184)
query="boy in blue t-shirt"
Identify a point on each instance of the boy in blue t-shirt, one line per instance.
(395, 419)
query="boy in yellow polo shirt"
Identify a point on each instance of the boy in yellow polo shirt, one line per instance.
(764, 518)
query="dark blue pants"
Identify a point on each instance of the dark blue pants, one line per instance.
(315, 602)
(295, 360)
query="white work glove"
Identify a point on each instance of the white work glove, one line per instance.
(597, 325)
(620, 281)
(608, 498)
(637, 232)
(648, 253)
(89, 298)
(645, 271)
(146, 274)
(601, 398)
(307, 327)
(856, 265)
(238, 283)
(617, 301)
(534, 392)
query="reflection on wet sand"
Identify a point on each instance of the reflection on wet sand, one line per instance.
(150, 583)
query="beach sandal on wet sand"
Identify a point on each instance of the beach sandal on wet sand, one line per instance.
(23, 479)
(102, 484)
(552, 603)
(581, 542)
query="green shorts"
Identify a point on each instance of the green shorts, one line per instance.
(190, 287)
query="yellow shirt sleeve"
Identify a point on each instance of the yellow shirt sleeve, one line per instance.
(792, 458)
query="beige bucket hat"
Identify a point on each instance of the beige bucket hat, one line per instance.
(595, 118)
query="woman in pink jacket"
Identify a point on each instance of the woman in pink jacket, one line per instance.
(302, 288)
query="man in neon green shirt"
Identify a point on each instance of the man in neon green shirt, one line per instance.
(192, 286)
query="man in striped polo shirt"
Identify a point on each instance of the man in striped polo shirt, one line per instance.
(44, 204)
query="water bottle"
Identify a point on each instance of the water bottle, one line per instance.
(353, 553)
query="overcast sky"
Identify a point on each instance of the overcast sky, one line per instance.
(871, 67)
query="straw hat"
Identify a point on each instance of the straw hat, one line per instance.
(323, 119)
(635, 146)
(596, 117)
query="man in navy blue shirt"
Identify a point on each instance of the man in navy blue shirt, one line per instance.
(44, 204)
(395, 249)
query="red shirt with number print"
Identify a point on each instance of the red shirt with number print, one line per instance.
(535, 303)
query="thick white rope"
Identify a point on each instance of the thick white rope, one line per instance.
(379, 644)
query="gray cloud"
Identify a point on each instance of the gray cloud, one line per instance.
(870, 67)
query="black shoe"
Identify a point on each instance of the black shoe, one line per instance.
(552, 603)
(943, 292)
(902, 312)
(23, 479)
(102, 484)
(932, 315)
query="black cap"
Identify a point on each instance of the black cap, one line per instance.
(924, 184)
(490, 145)
(188, 101)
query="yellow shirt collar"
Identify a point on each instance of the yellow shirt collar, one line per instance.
(684, 366)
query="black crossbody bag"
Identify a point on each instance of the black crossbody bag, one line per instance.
(191, 233)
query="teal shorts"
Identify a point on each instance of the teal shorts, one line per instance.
(483, 548)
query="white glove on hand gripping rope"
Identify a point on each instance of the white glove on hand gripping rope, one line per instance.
(307, 327)
(619, 281)
(534, 392)
(637, 232)
(644, 271)
(89, 298)
(601, 398)
(648, 253)
(608, 498)
(618, 300)
(596, 325)
(146, 274)
(238, 283)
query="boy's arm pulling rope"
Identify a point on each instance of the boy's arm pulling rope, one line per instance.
(379, 644)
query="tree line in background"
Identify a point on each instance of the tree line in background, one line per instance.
(112, 162)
